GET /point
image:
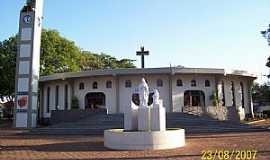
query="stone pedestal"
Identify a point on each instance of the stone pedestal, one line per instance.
(158, 117)
(143, 119)
(131, 117)
(147, 125)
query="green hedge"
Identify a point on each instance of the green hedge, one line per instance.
(267, 112)
(74, 103)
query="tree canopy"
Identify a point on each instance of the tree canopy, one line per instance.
(58, 54)
(8, 49)
(261, 93)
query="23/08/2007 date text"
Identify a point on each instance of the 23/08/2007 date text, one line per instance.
(229, 154)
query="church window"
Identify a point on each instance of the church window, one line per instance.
(81, 86)
(207, 83)
(242, 95)
(56, 97)
(109, 84)
(48, 99)
(128, 84)
(159, 83)
(66, 97)
(95, 85)
(179, 83)
(193, 83)
(233, 94)
(223, 93)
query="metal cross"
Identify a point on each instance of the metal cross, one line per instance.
(142, 53)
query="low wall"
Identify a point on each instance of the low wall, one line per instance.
(223, 113)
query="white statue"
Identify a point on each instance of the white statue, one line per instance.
(143, 93)
(156, 97)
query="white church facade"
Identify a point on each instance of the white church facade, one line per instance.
(182, 90)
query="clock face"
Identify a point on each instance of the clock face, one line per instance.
(27, 19)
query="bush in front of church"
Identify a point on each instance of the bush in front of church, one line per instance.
(74, 103)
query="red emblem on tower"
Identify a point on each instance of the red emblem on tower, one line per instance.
(22, 101)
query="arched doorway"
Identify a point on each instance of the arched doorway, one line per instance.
(194, 102)
(95, 100)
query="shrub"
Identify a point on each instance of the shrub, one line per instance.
(74, 103)
(267, 113)
(214, 98)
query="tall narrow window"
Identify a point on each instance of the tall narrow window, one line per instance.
(233, 94)
(159, 83)
(48, 99)
(109, 84)
(66, 97)
(223, 93)
(128, 84)
(81, 86)
(242, 95)
(95, 85)
(56, 97)
(179, 83)
(207, 83)
(193, 83)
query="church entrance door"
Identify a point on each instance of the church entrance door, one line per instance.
(194, 102)
(95, 101)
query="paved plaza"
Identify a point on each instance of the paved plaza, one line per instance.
(15, 145)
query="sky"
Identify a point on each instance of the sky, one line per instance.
(191, 33)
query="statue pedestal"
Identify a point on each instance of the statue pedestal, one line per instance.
(158, 117)
(145, 127)
(131, 117)
(143, 119)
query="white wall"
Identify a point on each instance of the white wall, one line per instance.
(61, 97)
(126, 93)
(110, 93)
(228, 94)
(178, 91)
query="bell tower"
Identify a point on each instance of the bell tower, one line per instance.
(27, 64)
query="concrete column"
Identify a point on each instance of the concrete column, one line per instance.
(71, 84)
(170, 94)
(41, 101)
(218, 87)
(71, 94)
(117, 94)
(250, 101)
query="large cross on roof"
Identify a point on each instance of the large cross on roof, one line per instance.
(142, 53)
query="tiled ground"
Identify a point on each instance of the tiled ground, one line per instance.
(263, 123)
(14, 146)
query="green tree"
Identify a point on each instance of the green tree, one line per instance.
(90, 61)
(260, 93)
(126, 63)
(8, 49)
(58, 54)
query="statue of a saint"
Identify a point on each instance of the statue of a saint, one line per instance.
(156, 97)
(143, 93)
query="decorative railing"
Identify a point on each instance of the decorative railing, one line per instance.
(195, 110)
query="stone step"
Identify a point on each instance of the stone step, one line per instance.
(96, 124)
(91, 131)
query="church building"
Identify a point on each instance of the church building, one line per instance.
(215, 92)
